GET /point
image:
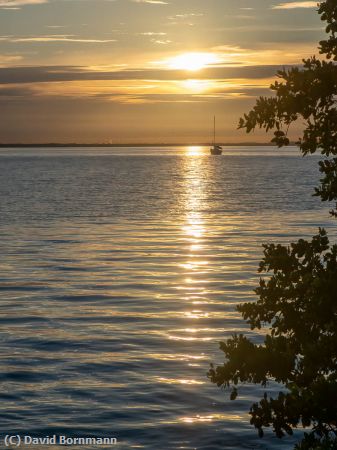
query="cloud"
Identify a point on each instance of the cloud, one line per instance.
(14, 4)
(9, 59)
(139, 91)
(235, 55)
(55, 26)
(161, 41)
(54, 38)
(16, 91)
(152, 2)
(295, 5)
(185, 16)
(153, 33)
(61, 74)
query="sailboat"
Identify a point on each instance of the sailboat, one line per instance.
(216, 149)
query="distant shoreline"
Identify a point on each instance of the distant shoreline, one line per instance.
(74, 145)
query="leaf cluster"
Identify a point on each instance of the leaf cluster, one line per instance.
(328, 13)
(308, 94)
(299, 302)
(298, 299)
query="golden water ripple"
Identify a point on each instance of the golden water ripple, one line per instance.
(120, 273)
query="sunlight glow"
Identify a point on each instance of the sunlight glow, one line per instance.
(197, 86)
(178, 381)
(192, 61)
(211, 418)
(194, 229)
(193, 150)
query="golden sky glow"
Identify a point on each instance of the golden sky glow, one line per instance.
(143, 71)
(192, 61)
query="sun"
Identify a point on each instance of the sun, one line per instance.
(192, 61)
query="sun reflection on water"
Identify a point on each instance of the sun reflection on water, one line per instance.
(194, 150)
(211, 418)
(178, 381)
(195, 267)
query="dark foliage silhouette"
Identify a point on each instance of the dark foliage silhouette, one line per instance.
(298, 299)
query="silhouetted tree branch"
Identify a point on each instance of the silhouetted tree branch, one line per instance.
(307, 93)
(298, 300)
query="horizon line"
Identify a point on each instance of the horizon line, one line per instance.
(130, 144)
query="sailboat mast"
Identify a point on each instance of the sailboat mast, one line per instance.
(216, 149)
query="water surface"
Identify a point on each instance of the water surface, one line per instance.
(120, 272)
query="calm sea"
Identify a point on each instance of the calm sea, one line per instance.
(120, 271)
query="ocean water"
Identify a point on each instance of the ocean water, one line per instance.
(120, 272)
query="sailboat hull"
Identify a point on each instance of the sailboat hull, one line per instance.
(216, 151)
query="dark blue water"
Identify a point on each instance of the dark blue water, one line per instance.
(120, 270)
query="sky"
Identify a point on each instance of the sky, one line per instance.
(144, 71)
